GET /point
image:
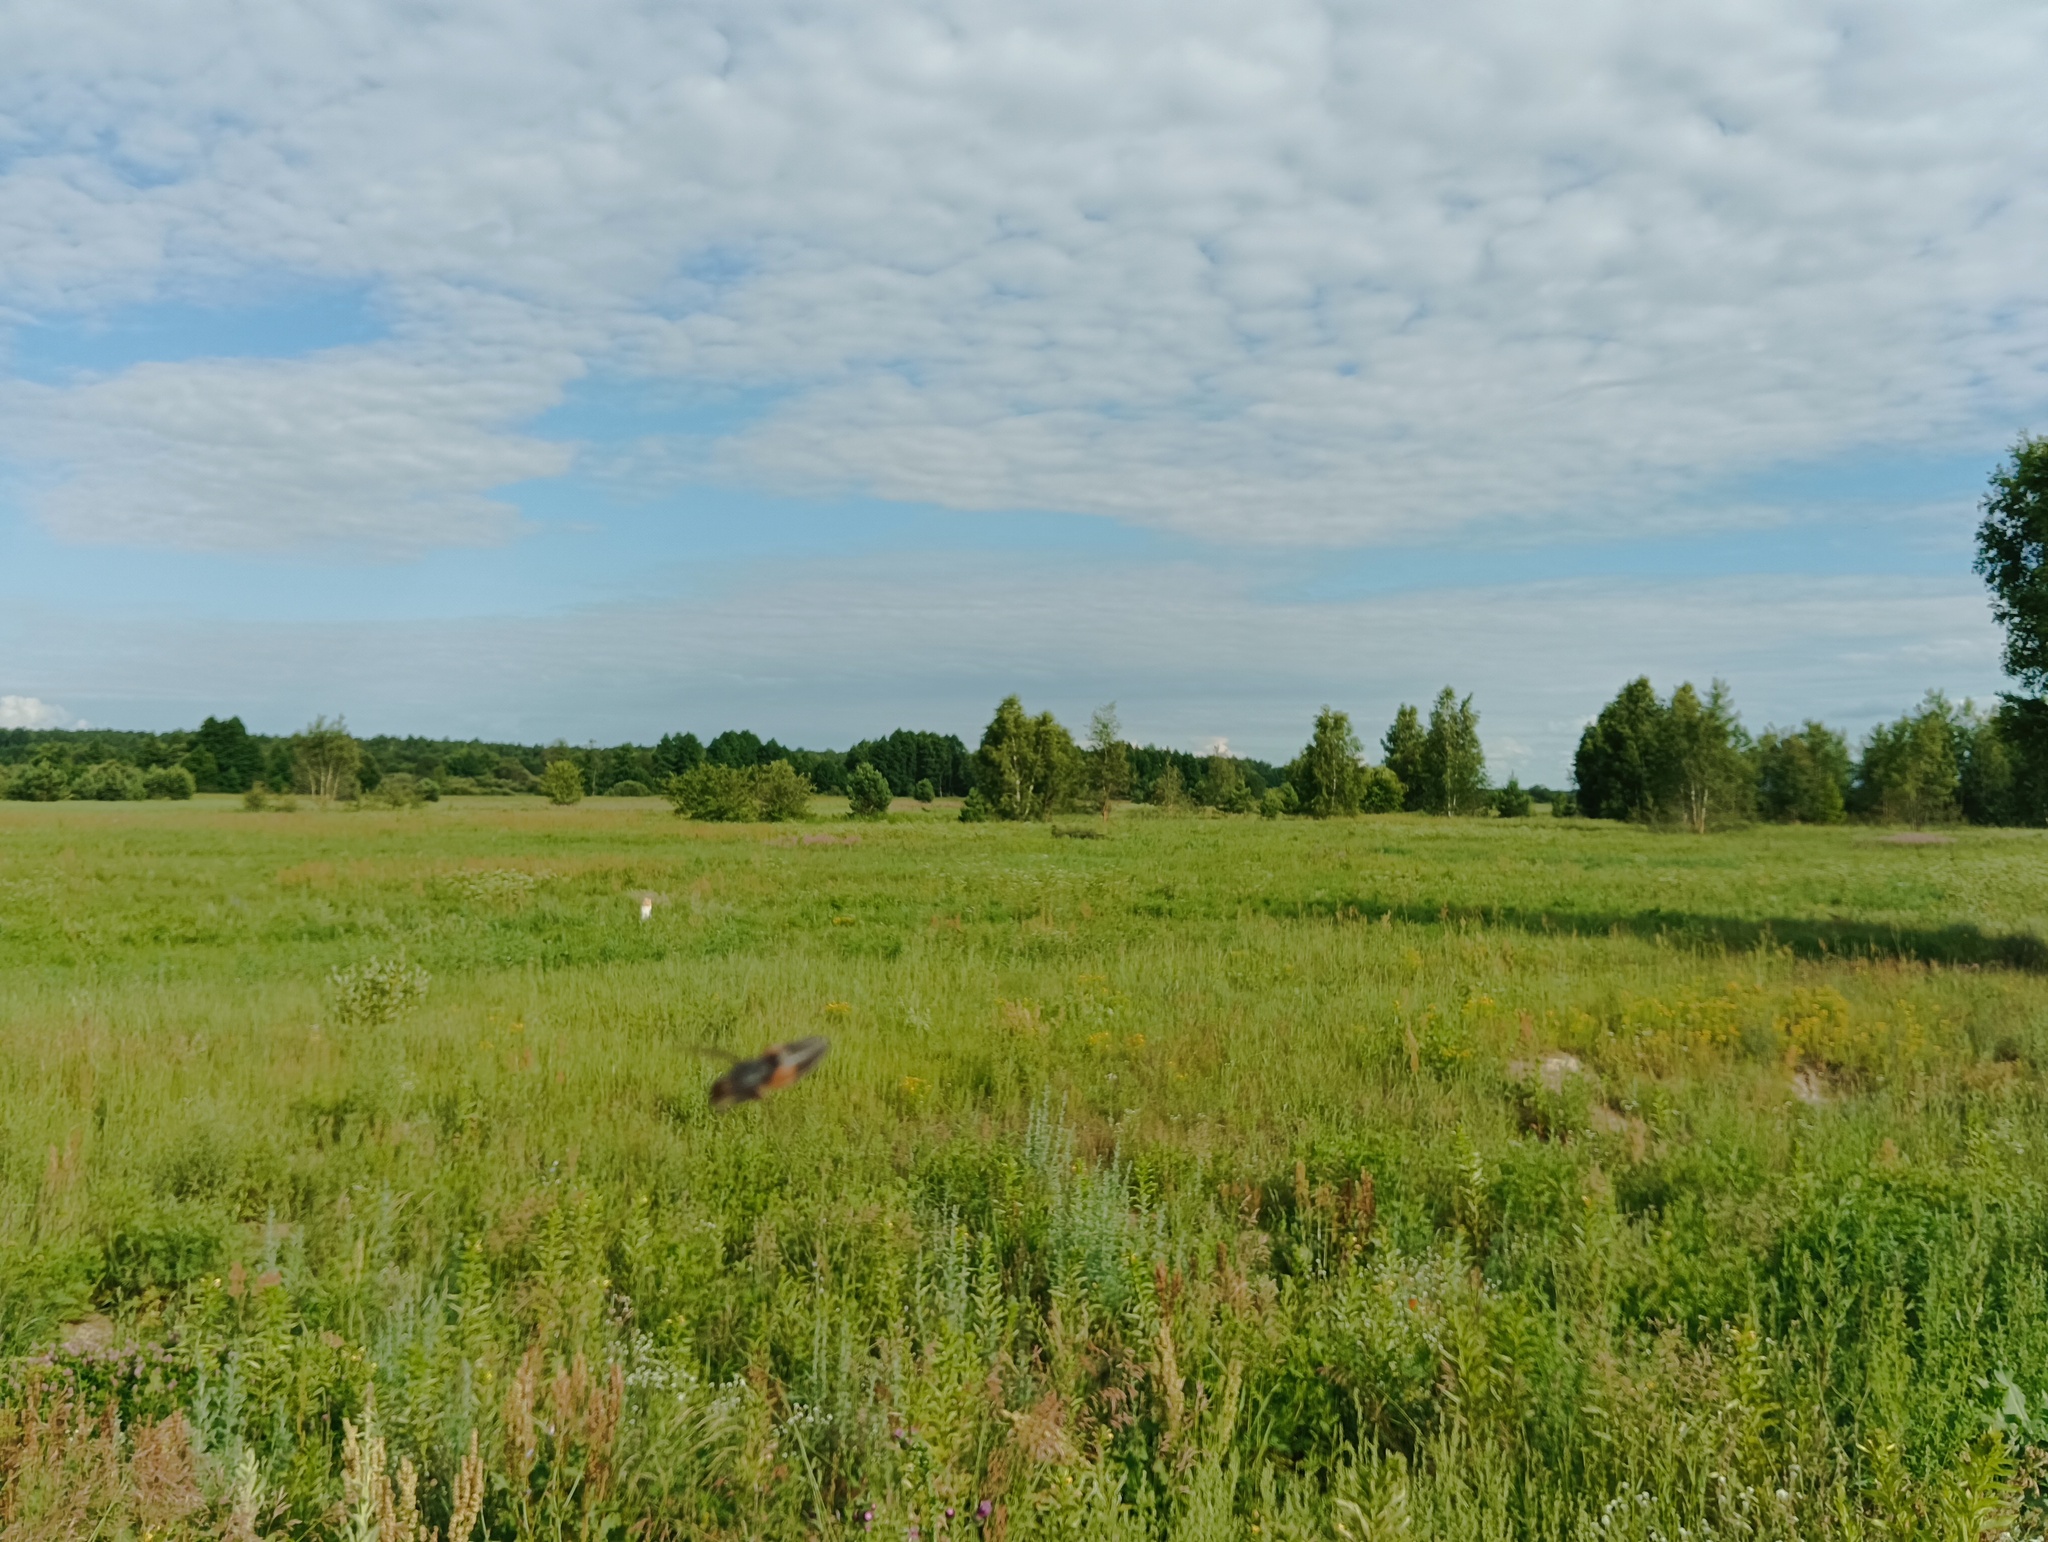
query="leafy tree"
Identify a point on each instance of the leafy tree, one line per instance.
(110, 781)
(167, 782)
(907, 757)
(736, 747)
(1278, 801)
(562, 781)
(1911, 772)
(1988, 787)
(1027, 767)
(977, 809)
(1109, 762)
(867, 792)
(1453, 764)
(1380, 791)
(1401, 752)
(711, 791)
(223, 757)
(40, 781)
(1327, 777)
(1169, 792)
(2012, 555)
(1702, 765)
(1803, 776)
(1616, 765)
(324, 759)
(784, 793)
(677, 753)
(1223, 786)
(1513, 801)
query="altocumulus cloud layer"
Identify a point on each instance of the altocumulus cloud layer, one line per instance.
(1250, 270)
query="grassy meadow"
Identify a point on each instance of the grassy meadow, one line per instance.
(1214, 1178)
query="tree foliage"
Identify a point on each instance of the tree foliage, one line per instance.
(1327, 776)
(1911, 771)
(1803, 776)
(110, 781)
(1686, 760)
(1401, 752)
(1453, 764)
(907, 757)
(867, 792)
(168, 782)
(774, 792)
(1027, 767)
(1616, 765)
(2012, 556)
(562, 781)
(325, 757)
(1109, 759)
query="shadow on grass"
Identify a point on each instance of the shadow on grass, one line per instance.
(1957, 945)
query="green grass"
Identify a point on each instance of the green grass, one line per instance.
(1220, 1178)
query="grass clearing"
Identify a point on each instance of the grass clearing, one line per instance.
(1220, 1178)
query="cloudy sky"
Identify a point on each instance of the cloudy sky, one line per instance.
(823, 366)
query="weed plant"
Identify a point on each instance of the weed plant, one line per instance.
(1220, 1178)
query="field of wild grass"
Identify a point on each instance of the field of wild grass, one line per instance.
(1215, 1178)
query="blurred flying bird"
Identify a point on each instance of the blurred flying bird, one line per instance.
(778, 1066)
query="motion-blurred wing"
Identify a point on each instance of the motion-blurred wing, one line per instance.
(780, 1065)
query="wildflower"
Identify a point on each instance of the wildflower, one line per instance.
(981, 1511)
(838, 1006)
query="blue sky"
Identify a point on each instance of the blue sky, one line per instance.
(828, 368)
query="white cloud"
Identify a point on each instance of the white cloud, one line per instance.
(352, 449)
(1253, 269)
(28, 712)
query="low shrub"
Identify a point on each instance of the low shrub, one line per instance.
(867, 792)
(111, 781)
(399, 789)
(40, 782)
(173, 782)
(562, 782)
(1513, 801)
(629, 789)
(737, 795)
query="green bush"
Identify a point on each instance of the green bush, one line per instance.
(41, 782)
(713, 792)
(1380, 791)
(740, 795)
(1512, 801)
(168, 782)
(629, 789)
(977, 809)
(562, 782)
(111, 781)
(924, 792)
(784, 792)
(867, 792)
(1280, 800)
(398, 789)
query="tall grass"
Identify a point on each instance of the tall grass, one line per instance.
(1219, 1179)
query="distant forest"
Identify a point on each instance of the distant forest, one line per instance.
(223, 756)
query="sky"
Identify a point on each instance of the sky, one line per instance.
(524, 371)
